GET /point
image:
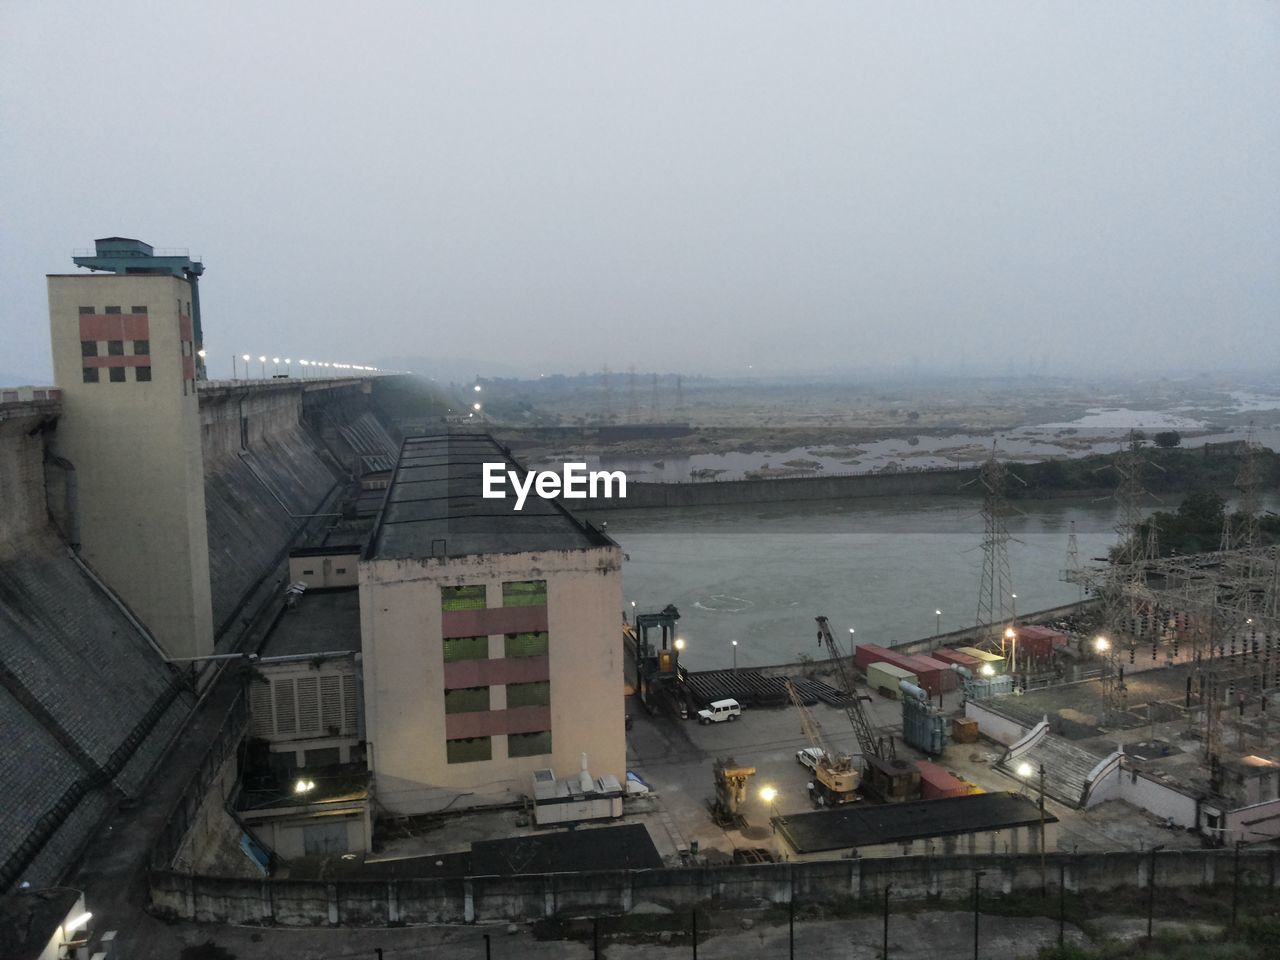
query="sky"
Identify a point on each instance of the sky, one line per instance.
(696, 187)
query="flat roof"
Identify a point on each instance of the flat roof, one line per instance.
(324, 621)
(860, 825)
(30, 918)
(434, 506)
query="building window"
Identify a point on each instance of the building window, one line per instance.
(528, 744)
(111, 310)
(308, 573)
(463, 598)
(142, 374)
(526, 644)
(466, 700)
(340, 570)
(116, 374)
(525, 593)
(138, 310)
(142, 348)
(90, 374)
(469, 750)
(466, 648)
(115, 348)
(88, 348)
(87, 311)
(536, 694)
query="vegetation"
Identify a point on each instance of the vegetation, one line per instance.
(1168, 470)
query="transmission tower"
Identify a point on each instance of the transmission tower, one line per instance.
(995, 592)
(1072, 573)
(633, 404)
(1127, 608)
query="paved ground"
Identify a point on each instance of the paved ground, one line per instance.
(676, 759)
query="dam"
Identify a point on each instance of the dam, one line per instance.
(88, 695)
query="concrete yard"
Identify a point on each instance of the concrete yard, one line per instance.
(675, 758)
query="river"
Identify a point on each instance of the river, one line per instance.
(759, 574)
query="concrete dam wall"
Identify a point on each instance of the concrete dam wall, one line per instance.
(87, 701)
(87, 704)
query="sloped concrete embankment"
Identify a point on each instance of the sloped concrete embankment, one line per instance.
(87, 704)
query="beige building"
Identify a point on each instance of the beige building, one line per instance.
(491, 637)
(124, 358)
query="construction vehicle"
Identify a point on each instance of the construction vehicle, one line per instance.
(884, 776)
(731, 792)
(835, 781)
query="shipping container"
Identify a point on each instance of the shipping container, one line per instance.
(885, 677)
(936, 783)
(865, 654)
(935, 676)
(1039, 642)
(992, 660)
(947, 655)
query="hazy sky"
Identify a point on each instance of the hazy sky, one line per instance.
(683, 186)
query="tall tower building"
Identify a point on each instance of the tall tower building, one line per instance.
(125, 354)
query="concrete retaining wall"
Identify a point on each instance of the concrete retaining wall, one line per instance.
(382, 902)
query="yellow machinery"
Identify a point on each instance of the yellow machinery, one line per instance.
(835, 780)
(731, 791)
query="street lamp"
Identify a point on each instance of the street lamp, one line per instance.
(263, 361)
(276, 366)
(735, 655)
(679, 644)
(937, 630)
(245, 357)
(1012, 636)
(1101, 644)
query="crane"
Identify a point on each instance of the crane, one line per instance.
(871, 743)
(835, 780)
(884, 774)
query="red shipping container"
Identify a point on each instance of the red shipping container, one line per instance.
(936, 783)
(865, 654)
(1039, 642)
(935, 676)
(947, 655)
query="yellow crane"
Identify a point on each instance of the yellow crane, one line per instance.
(835, 780)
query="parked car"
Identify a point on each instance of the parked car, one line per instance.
(719, 710)
(809, 757)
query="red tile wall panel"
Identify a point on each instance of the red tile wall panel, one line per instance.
(188, 368)
(143, 361)
(184, 327)
(492, 723)
(484, 623)
(488, 673)
(115, 326)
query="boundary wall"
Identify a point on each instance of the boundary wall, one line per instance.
(376, 903)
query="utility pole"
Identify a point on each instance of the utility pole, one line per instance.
(1151, 891)
(1044, 890)
(885, 950)
(977, 901)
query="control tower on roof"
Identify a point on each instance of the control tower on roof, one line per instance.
(125, 255)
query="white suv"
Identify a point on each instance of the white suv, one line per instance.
(720, 710)
(809, 757)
